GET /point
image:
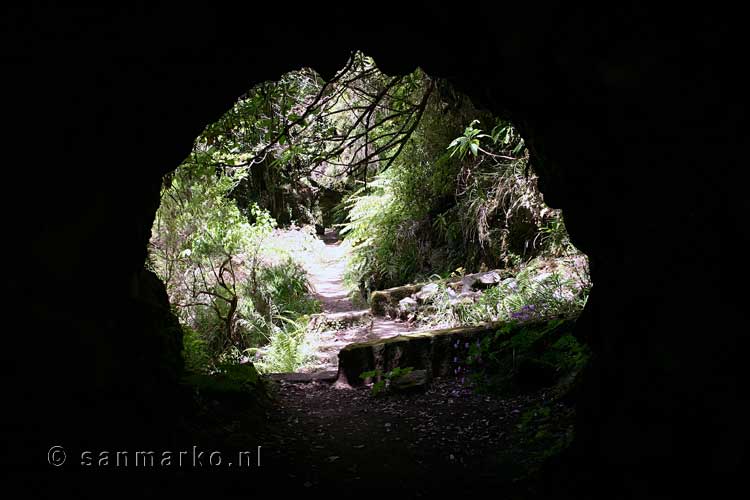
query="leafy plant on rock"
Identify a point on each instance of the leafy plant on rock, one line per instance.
(384, 380)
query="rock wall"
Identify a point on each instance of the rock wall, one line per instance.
(632, 117)
(437, 352)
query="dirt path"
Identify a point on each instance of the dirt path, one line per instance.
(328, 281)
(448, 440)
(414, 443)
(317, 437)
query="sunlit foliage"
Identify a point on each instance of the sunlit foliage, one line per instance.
(227, 294)
(421, 182)
(455, 197)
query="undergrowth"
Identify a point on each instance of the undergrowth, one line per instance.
(541, 289)
(519, 356)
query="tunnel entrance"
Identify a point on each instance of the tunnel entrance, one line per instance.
(381, 234)
(632, 120)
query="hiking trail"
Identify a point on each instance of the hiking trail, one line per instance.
(356, 324)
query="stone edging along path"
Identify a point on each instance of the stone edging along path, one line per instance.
(340, 324)
(351, 341)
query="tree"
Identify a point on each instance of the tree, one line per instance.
(205, 250)
(301, 134)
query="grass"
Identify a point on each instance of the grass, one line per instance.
(289, 349)
(544, 288)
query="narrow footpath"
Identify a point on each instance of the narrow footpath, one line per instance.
(346, 324)
(335, 439)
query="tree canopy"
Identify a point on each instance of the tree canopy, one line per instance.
(418, 181)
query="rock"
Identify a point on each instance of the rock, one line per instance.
(432, 351)
(413, 381)
(427, 292)
(486, 280)
(407, 306)
(481, 281)
(463, 298)
(160, 329)
(407, 303)
(510, 283)
(341, 320)
(467, 282)
(384, 302)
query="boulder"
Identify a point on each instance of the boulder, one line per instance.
(337, 321)
(406, 306)
(510, 283)
(427, 293)
(486, 280)
(383, 302)
(481, 281)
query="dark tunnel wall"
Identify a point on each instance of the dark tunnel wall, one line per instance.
(633, 122)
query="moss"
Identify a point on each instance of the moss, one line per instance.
(238, 383)
(383, 302)
(429, 351)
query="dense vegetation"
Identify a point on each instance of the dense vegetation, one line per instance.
(232, 289)
(472, 205)
(422, 185)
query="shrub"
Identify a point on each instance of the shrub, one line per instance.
(533, 294)
(195, 352)
(241, 383)
(539, 353)
(476, 203)
(288, 348)
(286, 288)
(227, 291)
